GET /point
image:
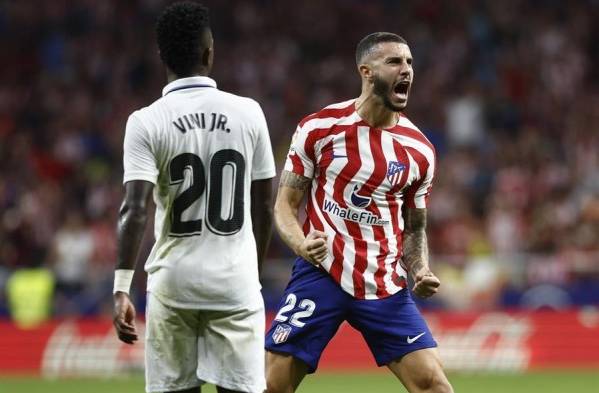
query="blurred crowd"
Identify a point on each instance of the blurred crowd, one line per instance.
(507, 92)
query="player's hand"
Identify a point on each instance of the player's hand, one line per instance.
(426, 284)
(124, 318)
(314, 248)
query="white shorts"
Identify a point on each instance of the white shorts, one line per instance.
(187, 348)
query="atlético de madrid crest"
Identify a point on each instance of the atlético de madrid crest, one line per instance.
(394, 172)
(281, 333)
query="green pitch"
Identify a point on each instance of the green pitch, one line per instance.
(545, 382)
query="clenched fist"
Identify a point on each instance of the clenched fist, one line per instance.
(426, 284)
(314, 248)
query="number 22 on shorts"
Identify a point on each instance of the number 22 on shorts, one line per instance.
(307, 307)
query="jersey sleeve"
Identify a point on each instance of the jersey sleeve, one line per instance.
(417, 194)
(298, 160)
(263, 162)
(139, 162)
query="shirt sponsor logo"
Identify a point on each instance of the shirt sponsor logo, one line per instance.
(359, 200)
(362, 217)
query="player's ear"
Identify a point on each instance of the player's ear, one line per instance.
(207, 48)
(208, 57)
(365, 71)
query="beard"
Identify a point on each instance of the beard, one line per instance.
(382, 89)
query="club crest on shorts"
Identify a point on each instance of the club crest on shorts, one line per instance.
(394, 172)
(281, 333)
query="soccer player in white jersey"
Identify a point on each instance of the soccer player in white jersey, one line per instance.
(206, 156)
(367, 172)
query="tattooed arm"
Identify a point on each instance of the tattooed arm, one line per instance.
(292, 189)
(415, 253)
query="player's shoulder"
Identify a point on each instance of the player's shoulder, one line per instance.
(329, 115)
(245, 106)
(236, 100)
(408, 129)
(148, 114)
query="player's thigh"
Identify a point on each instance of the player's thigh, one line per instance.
(231, 349)
(283, 372)
(171, 347)
(421, 371)
(310, 312)
(392, 326)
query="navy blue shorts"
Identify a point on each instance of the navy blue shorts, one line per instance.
(314, 306)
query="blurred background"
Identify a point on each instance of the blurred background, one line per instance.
(508, 92)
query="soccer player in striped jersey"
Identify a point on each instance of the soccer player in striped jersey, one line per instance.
(367, 172)
(206, 157)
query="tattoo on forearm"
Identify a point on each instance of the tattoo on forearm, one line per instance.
(415, 245)
(293, 180)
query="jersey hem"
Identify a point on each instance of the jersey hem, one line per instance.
(249, 387)
(256, 305)
(264, 175)
(139, 176)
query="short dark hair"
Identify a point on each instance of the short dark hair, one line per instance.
(371, 40)
(180, 31)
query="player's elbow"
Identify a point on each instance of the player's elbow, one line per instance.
(132, 211)
(284, 213)
(262, 215)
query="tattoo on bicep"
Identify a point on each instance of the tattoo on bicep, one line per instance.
(293, 180)
(415, 241)
(414, 219)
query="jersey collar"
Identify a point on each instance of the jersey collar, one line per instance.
(188, 83)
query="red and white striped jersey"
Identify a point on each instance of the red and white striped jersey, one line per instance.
(361, 178)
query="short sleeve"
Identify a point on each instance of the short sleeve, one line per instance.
(263, 162)
(298, 161)
(417, 194)
(139, 163)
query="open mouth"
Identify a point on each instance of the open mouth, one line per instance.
(401, 89)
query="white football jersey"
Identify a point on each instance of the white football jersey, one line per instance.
(201, 148)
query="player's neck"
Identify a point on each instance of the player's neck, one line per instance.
(375, 113)
(171, 76)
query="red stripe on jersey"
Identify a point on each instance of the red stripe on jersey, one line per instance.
(337, 264)
(306, 227)
(423, 164)
(330, 112)
(378, 176)
(313, 136)
(312, 219)
(298, 167)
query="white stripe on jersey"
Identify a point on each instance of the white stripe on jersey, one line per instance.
(405, 122)
(328, 122)
(340, 105)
